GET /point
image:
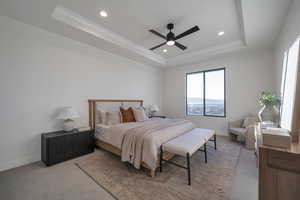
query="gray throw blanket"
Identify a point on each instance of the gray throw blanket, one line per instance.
(140, 144)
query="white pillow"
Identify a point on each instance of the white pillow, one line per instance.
(113, 118)
(139, 114)
(102, 117)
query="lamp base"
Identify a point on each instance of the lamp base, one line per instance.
(151, 114)
(68, 125)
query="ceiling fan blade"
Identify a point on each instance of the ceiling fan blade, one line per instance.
(157, 33)
(158, 46)
(190, 31)
(180, 46)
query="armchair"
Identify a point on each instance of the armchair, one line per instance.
(242, 133)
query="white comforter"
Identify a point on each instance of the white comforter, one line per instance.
(140, 141)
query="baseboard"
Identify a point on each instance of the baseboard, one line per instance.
(19, 162)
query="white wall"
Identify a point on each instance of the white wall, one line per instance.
(42, 71)
(288, 35)
(247, 75)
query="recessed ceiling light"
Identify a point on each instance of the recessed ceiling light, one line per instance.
(103, 13)
(221, 33)
(165, 50)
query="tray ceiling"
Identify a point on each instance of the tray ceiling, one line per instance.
(125, 32)
(133, 18)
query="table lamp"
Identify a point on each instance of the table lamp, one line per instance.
(68, 114)
(153, 109)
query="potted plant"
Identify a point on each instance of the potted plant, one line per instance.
(269, 111)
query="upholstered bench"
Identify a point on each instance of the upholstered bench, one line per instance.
(186, 145)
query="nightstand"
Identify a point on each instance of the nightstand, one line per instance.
(60, 146)
(158, 116)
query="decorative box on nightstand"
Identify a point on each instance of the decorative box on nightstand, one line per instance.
(60, 146)
(276, 137)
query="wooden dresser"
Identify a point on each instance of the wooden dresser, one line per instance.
(279, 173)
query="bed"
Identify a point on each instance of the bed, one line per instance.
(136, 142)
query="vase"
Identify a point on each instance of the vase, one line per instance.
(269, 113)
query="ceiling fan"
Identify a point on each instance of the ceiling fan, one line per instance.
(171, 38)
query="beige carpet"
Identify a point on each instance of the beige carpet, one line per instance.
(211, 181)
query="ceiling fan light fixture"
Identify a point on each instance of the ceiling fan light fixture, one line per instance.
(221, 33)
(170, 42)
(103, 13)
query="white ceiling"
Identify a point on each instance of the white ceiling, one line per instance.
(263, 20)
(253, 23)
(133, 18)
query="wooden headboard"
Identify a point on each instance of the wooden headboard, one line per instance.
(92, 108)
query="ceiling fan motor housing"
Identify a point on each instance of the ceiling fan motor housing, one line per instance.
(170, 36)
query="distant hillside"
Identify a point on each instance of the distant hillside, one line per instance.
(193, 100)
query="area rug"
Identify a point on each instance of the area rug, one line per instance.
(211, 181)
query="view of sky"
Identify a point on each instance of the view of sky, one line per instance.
(195, 85)
(214, 85)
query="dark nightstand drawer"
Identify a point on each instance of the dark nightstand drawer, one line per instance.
(59, 146)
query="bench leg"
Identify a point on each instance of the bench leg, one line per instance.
(205, 152)
(188, 168)
(160, 159)
(215, 141)
(152, 173)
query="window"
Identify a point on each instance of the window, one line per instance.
(205, 93)
(288, 85)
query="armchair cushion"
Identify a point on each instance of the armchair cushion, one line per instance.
(238, 131)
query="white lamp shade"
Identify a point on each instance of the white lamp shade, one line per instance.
(154, 108)
(68, 113)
